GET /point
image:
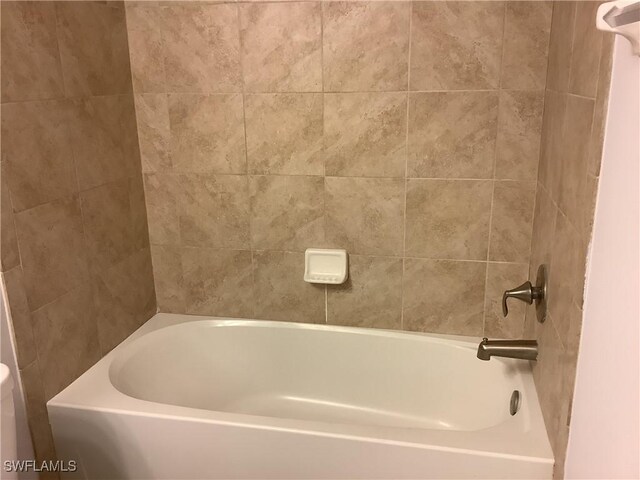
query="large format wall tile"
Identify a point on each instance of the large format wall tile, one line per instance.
(280, 293)
(108, 229)
(511, 222)
(284, 133)
(286, 212)
(456, 45)
(371, 297)
(30, 58)
(66, 338)
(448, 219)
(365, 46)
(519, 130)
(365, 215)
(52, 250)
(585, 58)
(217, 282)
(18, 307)
(442, 296)
(526, 44)
(9, 254)
(98, 132)
(215, 212)
(452, 134)
(168, 278)
(281, 47)
(207, 133)
(92, 37)
(365, 134)
(154, 131)
(560, 45)
(37, 152)
(146, 47)
(75, 241)
(124, 298)
(201, 48)
(338, 153)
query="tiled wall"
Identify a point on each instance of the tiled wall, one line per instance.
(575, 110)
(75, 250)
(406, 133)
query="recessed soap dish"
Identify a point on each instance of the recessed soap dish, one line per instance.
(325, 266)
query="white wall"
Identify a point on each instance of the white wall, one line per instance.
(604, 437)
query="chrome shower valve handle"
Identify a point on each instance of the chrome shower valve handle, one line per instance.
(529, 293)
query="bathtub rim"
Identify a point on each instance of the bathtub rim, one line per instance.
(93, 391)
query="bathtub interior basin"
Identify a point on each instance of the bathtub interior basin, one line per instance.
(313, 373)
(198, 397)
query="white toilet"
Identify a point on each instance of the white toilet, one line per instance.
(7, 422)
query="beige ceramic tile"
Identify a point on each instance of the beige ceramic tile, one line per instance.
(587, 45)
(92, 37)
(448, 218)
(52, 250)
(139, 223)
(201, 48)
(551, 143)
(372, 295)
(43, 446)
(286, 212)
(152, 112)
(526, 45)
(207, 133)
(365, 134)
(280, 291)
(281, 47)
(98, 133)
(519, 130)
(146, 47)
(512, 220)
(215, 212)
(548, 376)
(37, 152)
(602, 102)
(442, 296)
(124, 297)
(164, 199)
(560, 45)
(20, 316)
(365, 215)
(456, 45)
(218, 282)
(452, 134)
(168, 278)
(30, 58)
(67, 338)
(9, 254)
(33, 390)
(575, 158)
(544, 225)
(365, 46)
(108, 227)
(284, 133)
(501, 277)
(566, 273)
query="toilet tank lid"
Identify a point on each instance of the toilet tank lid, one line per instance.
(6, 383)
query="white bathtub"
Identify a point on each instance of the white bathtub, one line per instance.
(197, 398)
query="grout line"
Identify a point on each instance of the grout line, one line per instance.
(493, 184)
(406, 171)
(252, 258)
